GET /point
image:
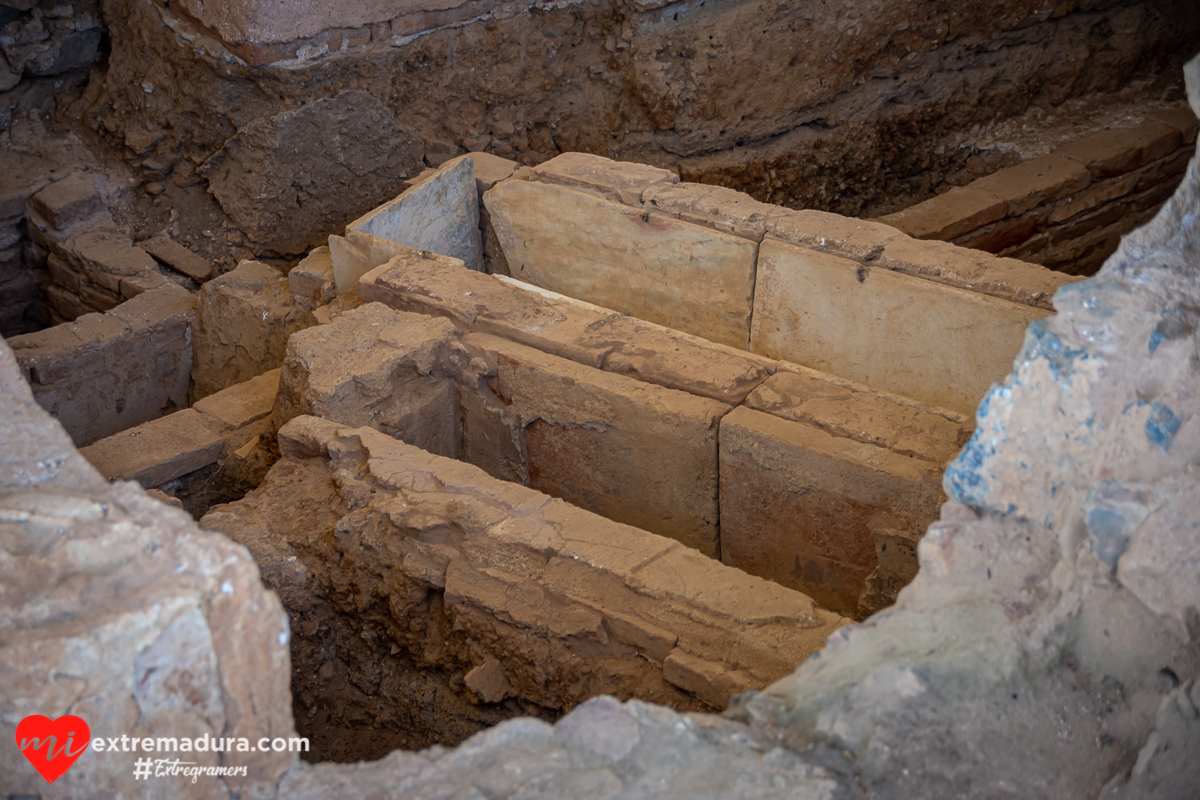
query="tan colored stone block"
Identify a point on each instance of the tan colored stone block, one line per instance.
(1118, 150)
(476, 301)
(311, 281)
(950, 264)
(489, 169)
(713, 683)
(659, 355)
(1004, 234)
(630, 451)
(620, 181)
(376, 367)
(1098, 194)
(640, 263)
(1181, 118)
(243, 321)
(802, 507)
(357, 253)
(859, 239)
(159, 451)
(168, 303)
(716, 207)
(934, 343)
(868, 417)
(1034, 182)
(243, 403)
(68, 202)
(962, 209)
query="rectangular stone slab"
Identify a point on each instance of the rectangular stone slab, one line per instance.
(806, 509)
(158, 451)
(440, 215)
(938, 344)
(634, 452)
(640, 263)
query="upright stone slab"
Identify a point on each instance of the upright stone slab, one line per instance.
(630, 451)
(357, 253)
(935, 343)
(378, 367)
(440, 214)
(635, 261)
(826, 515)
(243, 321)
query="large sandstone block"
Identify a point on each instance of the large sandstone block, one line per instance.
(1118, 150)
(716, 207)
(377, 367)
(440, 286)
(958, 211)
(440, 214)
(619, 181)
(935, 343)
(819, 513)
(876, 418)
(243, 321)
(1036, 181)
(160, 450)
(357, 253)
(630, 451)
(67, 203)
(641, 263)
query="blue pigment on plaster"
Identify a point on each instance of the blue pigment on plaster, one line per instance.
(1174, 325)
(1162, 425)
(1041, 343)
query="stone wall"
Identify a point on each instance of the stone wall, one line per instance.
(107, 372)
(629, 419)
(432, 561)
(1067, 210)
(857, 299)
(213, 452)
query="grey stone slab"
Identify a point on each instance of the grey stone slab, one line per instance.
(440, 215)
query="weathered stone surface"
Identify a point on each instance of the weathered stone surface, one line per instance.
(158, 451)
(178, 257)
(879, 328)
(163, 629)
(439, 286)
(311, 281)
(1006, 278)
(619, 181)
(633, 452)
(378, 367)
(662, 356)
(714, 207)
(859, 239)
(805, 509)
(440, 215)
(68, 202)
(870, 417)
(104, 373)
(102, 252)
(358, 253)
(279, 177)
(1181, 119)
(1117, 150)
(1033, 182)
(243, 408)
(489, 169)
(962, 209)
(640, 263)
(524, 588)
(243, 321)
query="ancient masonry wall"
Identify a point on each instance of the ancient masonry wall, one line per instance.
(857, 299)
(1067, 210)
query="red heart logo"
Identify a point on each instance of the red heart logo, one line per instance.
(49, 744)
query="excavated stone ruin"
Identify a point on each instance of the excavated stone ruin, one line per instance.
(578, 424)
